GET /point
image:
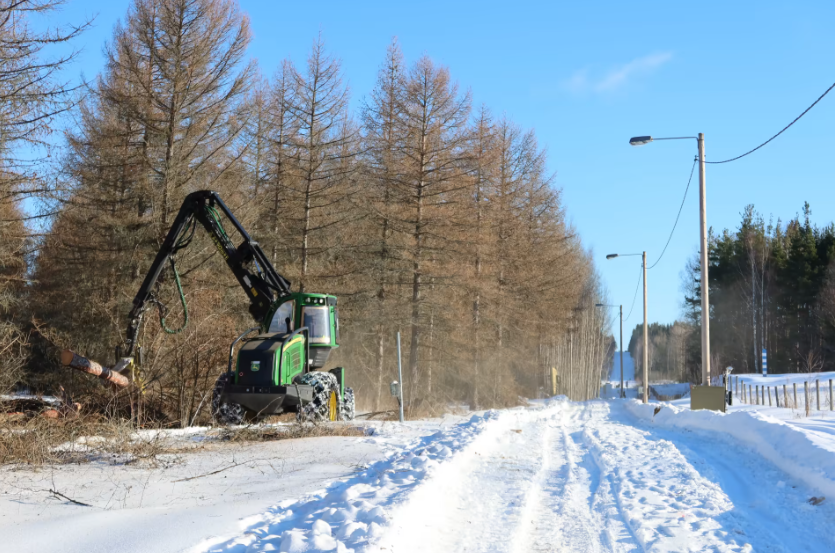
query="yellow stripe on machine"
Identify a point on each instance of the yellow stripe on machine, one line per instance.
(293, 341)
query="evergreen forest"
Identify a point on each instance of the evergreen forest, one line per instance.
(772, 287)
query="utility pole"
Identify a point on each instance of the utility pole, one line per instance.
(640, 141)
(703, 262)
(646, 338)
(622, 393)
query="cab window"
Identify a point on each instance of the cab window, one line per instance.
(315, 318)
(279, 322)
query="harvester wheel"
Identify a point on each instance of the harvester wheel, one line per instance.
(347, 406)
(324, 406)
(225, 412)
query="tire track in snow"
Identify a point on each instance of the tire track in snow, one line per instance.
(477, 504)
(531, 518)
(581, 523)
(666, 503)
(571, 493)
(541, 489)
(571, 498)
(563, 477)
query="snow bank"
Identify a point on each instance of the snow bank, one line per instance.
(352, 513)
(756, 379)
(788, 447)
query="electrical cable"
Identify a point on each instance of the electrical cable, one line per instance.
(640, 277)
(692, 169)
(779, 133)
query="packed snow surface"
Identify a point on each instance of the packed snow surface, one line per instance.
(598, 476)
(563, 476)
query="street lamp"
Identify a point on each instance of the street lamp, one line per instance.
(640, 141)
(622, 393)
(646, 337)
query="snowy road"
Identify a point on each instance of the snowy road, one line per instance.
(585, 477)
(589, 477)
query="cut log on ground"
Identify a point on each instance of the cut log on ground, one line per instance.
(71, 359)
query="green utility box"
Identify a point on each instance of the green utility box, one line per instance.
(707, 397)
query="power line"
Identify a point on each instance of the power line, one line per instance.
(796, 119)
(640, 277)
(657, 261)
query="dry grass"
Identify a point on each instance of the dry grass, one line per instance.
(40, 440)
(293, 431)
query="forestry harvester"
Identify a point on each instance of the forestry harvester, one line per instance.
(275, 369)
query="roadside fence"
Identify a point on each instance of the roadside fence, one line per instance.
(809, 399)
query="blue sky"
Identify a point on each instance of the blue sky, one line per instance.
(589, 75)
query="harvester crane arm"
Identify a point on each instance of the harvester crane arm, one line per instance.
(248, 262)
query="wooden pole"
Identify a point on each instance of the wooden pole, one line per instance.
(79, 363)
(757, 392)
(769, 396)
(794, 385)
(646, 334)
(818, 393)
(806, 396)
(703, 261)
(830, 395)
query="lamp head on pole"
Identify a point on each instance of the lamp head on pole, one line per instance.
(611, 256)
(640, 140)
(599, 305)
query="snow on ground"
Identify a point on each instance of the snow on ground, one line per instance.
(353, 512)
(186, 498)
(815, 382)
(597, 476)
(780, 379)
(563, 476)
(806, 458)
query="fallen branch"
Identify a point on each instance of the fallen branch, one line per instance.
(214, 471)
(62, 496)
(233, 465)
